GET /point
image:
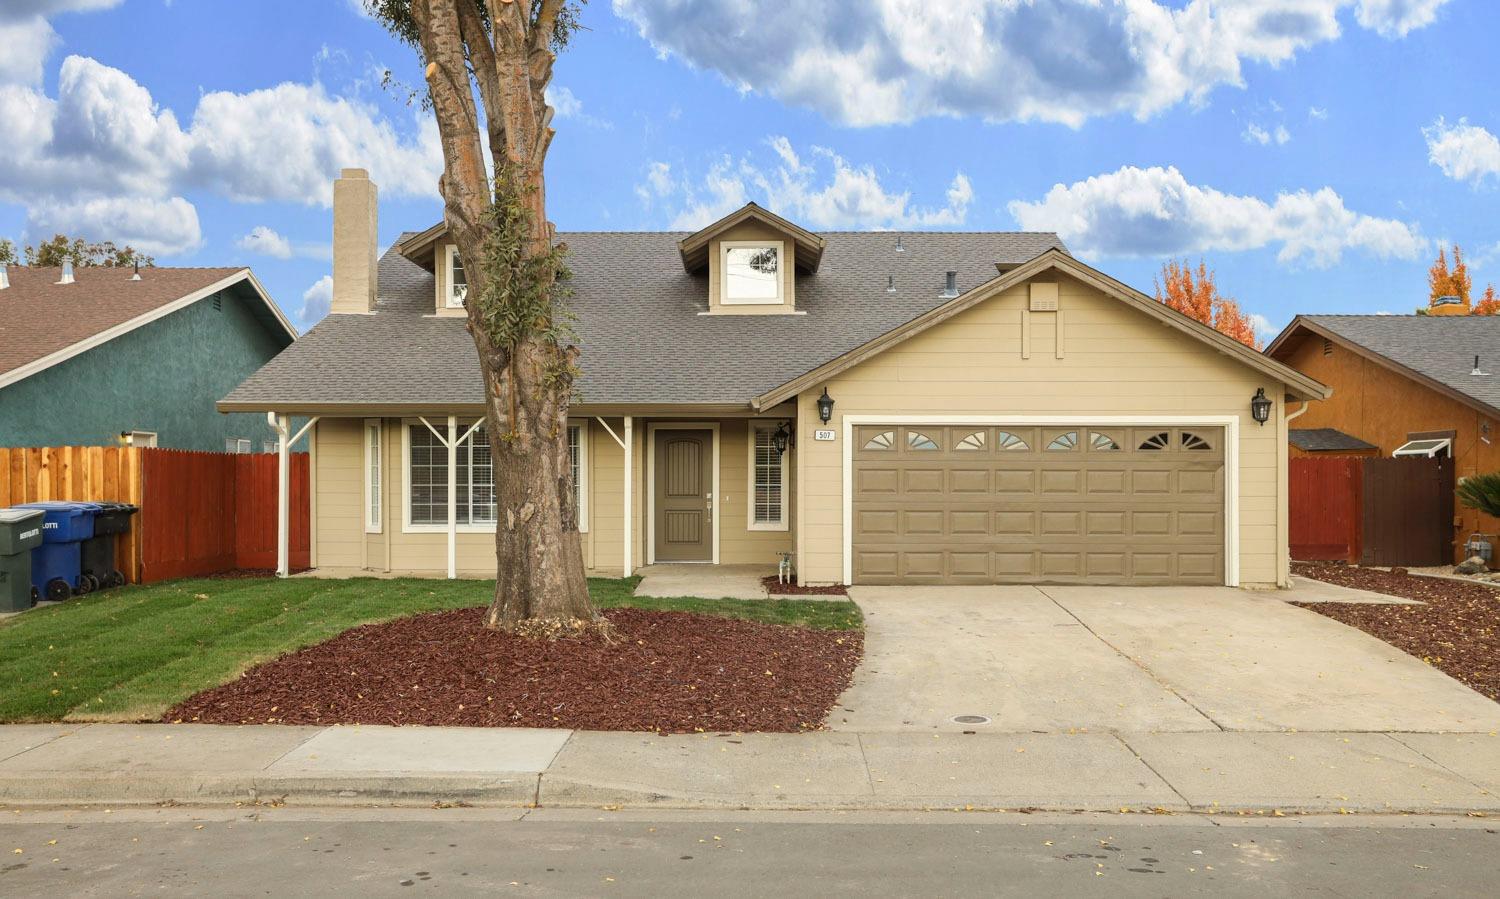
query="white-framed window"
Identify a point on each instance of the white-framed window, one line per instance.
(750, 272)
(426, 467)
(142, 439)
(458, 282)
(768, 480)
(237, 445)
(374, 476)
(269, 446)
(578, 457)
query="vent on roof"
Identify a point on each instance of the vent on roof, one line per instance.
(950, 285)
(4, 277)
(890, 283)
(899, 247)
(67, 272)
(1477, 372)
(137, 275)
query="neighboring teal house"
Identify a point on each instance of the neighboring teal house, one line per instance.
(108, 356)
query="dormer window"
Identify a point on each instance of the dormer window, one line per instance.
(458, 283)
(751, 273)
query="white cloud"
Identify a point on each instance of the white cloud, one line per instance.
(266, 242)
(873, 62)
(1156, 212)
(823, 191)
(27, 44)
(1282, 135)
(316, 300)
(1254, 134)
(567, 106)
(159, 227)
(1314, 112)
(1397, 18)
(1464, 152)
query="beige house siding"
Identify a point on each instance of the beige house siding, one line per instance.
(754, 231)
(339, 483)
(1096, 357)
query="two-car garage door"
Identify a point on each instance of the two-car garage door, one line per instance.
(984, 504)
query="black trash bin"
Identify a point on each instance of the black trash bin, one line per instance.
(20, 533)
(98, 552)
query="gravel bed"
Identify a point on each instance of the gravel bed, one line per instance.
(1457, 629)
(670, 672)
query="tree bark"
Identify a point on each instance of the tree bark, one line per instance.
(528, 376)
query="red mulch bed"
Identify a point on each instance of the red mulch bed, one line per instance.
(1456, 631)
(672, 672)
(793, 588)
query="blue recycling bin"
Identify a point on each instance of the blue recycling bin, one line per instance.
(57, 565)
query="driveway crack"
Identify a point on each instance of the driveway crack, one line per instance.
(1134, 661)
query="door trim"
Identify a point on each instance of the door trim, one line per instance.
(651, 430)
(1230, 424)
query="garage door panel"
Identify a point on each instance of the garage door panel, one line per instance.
(977, 504)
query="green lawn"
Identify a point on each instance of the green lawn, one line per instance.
(132, 653)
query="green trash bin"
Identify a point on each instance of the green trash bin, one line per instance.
(20, 533)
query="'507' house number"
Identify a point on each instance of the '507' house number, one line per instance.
(823, 434)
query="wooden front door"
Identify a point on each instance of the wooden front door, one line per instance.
(684, 496)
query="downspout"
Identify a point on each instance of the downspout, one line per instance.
(1283, 518)
(629, 557)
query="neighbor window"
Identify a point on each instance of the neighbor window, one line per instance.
(578, 459)
(458, 282)
(236, 445)
(768, 481)
(751, 273)
(144, 439)
(427, 478)
(269, 446)
(374, 476)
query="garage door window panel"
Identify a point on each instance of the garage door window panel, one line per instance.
(1011, 442)
(1062, 442)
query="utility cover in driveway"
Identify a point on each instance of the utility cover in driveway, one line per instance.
(1020, 505)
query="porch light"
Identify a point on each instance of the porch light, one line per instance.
(1260, 406)
(782, 438)
(825, 406)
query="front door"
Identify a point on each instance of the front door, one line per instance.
(684, 496)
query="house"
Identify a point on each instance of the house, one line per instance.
(102, 356)
(1406, 385)
(953, 408)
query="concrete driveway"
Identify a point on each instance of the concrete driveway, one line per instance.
(1170, 659)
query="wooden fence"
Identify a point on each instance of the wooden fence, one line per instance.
(1372, 511)
(201, 513)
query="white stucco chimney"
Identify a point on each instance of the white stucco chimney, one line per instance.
(355, 201)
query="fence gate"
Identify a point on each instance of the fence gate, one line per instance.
(1408, 512)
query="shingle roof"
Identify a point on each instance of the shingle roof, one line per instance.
(1439, 347)
(643, 338)
(1324, 440)
(39, 317)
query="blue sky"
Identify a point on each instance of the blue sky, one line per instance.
(1314, 152)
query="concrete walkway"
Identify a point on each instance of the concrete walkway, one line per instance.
(706, 581)
(1212, 771)
(1137, 659)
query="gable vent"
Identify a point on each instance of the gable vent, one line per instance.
(1327, 347)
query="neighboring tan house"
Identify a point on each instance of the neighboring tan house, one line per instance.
(1408, 385)
(102, 356)
(956, 408)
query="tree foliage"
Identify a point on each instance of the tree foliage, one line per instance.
(1443, 281)
(1196, 294)
(1482, 492)
(61, 248)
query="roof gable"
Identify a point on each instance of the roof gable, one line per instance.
(1054, 259)
(1437, 352)
(43, 323)
(694, 247)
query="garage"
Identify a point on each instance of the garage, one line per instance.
(1013, 504)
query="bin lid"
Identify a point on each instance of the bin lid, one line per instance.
(19, 516)
(111, 506)
(61, 506)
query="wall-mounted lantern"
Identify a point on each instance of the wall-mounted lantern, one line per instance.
(1260, 406)
(782, 438)
(825, 406)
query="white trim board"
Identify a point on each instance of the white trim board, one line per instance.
(37, 366)
(651, 430)
(1230, 424)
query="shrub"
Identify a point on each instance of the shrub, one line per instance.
(1482, 492)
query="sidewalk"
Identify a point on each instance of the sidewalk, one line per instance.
(1212, 771)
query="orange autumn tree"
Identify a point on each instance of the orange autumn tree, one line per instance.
(1196, 295)
(1443, 281)
(1489, 303)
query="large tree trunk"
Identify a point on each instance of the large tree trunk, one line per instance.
(528, 370)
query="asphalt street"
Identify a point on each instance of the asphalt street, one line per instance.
(404, 852)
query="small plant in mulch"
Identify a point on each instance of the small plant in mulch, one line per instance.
(1456, 629)
(670, 672)
(792, 588)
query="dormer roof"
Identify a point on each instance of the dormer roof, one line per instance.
(694, 247)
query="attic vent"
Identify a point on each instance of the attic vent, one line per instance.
(67, 272)
(218, 302)
(950, 285)
(1327, 347)
(890, 283)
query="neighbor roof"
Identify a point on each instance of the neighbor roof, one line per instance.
(43, 322)
(1434, 350)
(644, 340)
(1326, 440)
